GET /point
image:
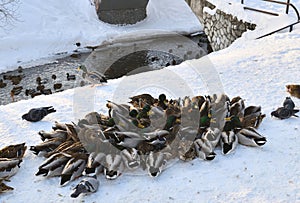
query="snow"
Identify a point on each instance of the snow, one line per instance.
(257, 70)
(59, 25)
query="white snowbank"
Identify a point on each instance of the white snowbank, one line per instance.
(257, 70)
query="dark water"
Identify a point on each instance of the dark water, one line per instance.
(141, 61)
(25, 85)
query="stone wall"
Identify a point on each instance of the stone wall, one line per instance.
(222, 29)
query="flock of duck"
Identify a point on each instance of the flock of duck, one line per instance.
(41, 84)
(147, 134)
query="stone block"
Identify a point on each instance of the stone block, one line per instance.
(120, 11)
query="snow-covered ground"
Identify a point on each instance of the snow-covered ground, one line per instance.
(257, 70)
(46, 28)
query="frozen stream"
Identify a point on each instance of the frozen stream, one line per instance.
(114, 60)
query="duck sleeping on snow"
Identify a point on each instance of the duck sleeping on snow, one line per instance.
(9, 167)
(250, 137)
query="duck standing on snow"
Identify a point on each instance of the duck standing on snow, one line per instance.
(9, 167)
(229, 140)
(93, 76)
(87, 185)
(37, 114)
(294, 90)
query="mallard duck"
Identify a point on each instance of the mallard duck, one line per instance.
(188, 133)
(186, 150)
(59, 126)
(252, 110)
(16, 90)
(237, 108)
(162, 101)
(62, 134)
(74, 168)
(68, 146)
(72, 132)
(93, 77)
(252, 117)
(9, 167)
(46, 146)
(113, 107)
(131, 158)
(283, 113)
(144, 112)
(57, 86)
(156, 134)
(228, 141)
(40, 87)
(113, 166)
(93, 118)
(213, 136)
(219, 111)
(2, 84)
(41, 81)
(4, 187)
(128, 139)
(294, 90)
(232, 123)
(204, 149)
(250, 137)
(29, 92)
(86, 186)
(54, 165)
(157, 162)
(13, 151)
(35, 94)
(46, 91)
(70, 77)
(16, 79)
(94, 164)
(252, 120)
(146, 98)
(205, 114)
